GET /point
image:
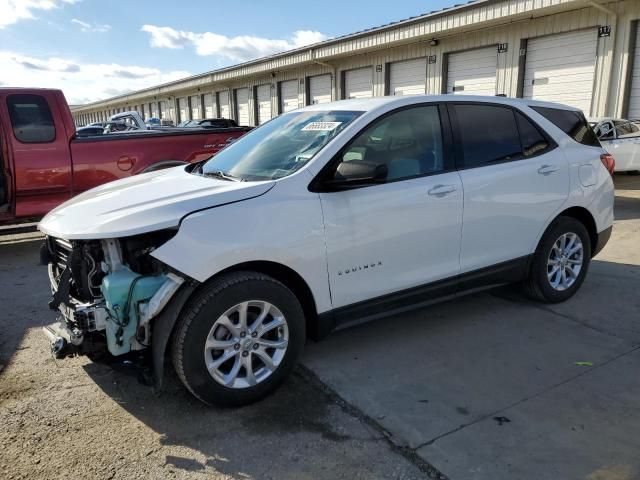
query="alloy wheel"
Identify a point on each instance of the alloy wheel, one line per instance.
(246, 344)
(565, 261)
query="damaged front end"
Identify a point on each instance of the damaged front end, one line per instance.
(107, 292)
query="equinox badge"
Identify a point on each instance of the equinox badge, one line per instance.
(361, 267)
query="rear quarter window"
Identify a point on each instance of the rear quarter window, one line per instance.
(31, 118)
(572, 123)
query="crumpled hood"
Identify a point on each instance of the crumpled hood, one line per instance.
(143, 203)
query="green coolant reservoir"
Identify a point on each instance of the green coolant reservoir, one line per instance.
(117, 287)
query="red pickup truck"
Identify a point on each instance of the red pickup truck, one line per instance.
(44, 163)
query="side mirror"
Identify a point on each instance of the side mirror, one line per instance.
(357, 173)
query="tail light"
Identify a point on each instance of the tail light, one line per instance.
(608, 161)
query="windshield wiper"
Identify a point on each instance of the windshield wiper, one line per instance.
(223, 175)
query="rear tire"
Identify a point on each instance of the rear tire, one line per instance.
(560, 262)
(238, 338)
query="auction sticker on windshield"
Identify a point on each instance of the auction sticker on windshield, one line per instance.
(321, 126)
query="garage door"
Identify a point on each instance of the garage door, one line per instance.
(164, 110)
(319, 89)
(242, 106)
(183, 110)
(473, 72)
(288, 96)
(207, 99)
(634, 96)
(195, 107)
(560, 68)
(263, 102)
(358, 83)
(223, 100)
(171, 111)
(408, 78)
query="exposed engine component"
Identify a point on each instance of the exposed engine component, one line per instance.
(82, 261)
(110, 288)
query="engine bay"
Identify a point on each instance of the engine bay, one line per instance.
(106, 291)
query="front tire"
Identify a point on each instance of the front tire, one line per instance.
(560, 262)
(238, 338)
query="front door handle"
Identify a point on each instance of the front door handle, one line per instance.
(441, 190)
(547, 169)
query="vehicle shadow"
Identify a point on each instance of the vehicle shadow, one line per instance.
(627, 201)
(24, 292)
(627, 208)
(268, 439)
(625, 181)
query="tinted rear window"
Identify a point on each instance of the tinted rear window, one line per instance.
(488, 133)
(533, 141)
(572, 123)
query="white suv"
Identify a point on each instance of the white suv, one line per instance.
(322, 217)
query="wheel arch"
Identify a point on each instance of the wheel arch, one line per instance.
(585, 217)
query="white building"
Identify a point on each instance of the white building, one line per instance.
(578, 52)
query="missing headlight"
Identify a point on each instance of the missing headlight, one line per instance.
(136, 251)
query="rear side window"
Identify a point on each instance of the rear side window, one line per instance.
(533, 141)
(488, 134)
(31, 118)
(572, 123)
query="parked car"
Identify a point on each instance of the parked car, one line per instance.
(323, 217)
(118, 126)
(210, 123)
(35, 121)
(153, 122)
(621, 138)
(90, 131)
(130, 118)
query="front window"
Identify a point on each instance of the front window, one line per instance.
(406, 143)
(279, 147)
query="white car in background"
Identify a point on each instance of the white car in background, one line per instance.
(621, 138)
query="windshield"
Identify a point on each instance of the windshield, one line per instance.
(279, 147)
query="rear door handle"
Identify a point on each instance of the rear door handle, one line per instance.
(547, 169)
(441, 190)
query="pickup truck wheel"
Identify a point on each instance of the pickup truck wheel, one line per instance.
(238, 338)
(560, 262)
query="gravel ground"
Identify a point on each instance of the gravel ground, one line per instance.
(76, 418)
